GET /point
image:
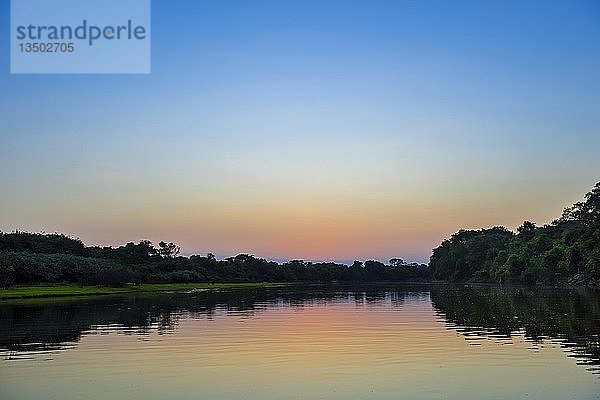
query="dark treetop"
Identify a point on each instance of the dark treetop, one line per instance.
(565, 252)
(54, 258)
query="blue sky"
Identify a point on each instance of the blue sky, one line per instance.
(312, 129)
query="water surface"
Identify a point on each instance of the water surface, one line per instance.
(375, 342)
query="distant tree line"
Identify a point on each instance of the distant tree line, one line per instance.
(55, 258)
(567, 251)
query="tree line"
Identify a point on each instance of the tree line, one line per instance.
(27, 258)
(567, 251)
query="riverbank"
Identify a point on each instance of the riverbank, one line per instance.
(29, 292)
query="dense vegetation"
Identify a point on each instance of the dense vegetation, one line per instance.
(566, 251)
(27, 258)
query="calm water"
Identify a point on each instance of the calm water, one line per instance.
(429, 342)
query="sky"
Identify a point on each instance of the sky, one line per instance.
(317, 130)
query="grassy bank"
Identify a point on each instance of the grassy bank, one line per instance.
(24, 292)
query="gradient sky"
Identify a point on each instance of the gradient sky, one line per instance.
(323, 130)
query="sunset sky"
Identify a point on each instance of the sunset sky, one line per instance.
(321, 130)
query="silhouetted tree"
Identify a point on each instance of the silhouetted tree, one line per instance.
(396, 262)
(567, 251)
(168, 250)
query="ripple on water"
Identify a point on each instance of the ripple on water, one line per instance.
(293, 343)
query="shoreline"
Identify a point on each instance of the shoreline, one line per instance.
(55, 291)
(52, 291)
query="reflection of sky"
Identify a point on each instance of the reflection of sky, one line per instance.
(337, 350)
(316, 130)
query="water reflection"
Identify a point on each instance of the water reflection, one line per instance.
(42, 326)
(570, 318)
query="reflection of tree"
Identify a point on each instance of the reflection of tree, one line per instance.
(50, 325)
(475, 311)
(573, 316)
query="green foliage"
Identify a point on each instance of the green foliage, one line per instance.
(587, 211)
(396, 262)
(566, 251)
(168, 250)
(7, 274)
(41, 243)
(65, 260)
(469, 254)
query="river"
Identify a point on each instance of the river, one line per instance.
(306, 342)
